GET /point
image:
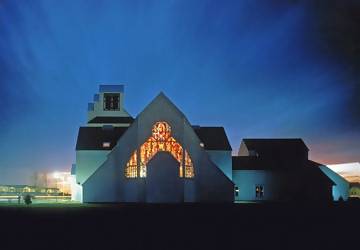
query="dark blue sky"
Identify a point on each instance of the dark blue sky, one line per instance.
(259, 68)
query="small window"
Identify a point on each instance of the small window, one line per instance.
(111, 102)
(259, 191)
(236, 191)
(106, 144)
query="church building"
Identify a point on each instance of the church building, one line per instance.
(160, 157)
(156, 157)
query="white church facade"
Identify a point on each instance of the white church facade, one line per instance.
(160, 157)
(157, 157)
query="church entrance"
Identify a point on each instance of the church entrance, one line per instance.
(163, 184)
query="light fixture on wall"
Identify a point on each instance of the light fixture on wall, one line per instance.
(236, 191)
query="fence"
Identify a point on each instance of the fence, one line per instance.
(14, 199)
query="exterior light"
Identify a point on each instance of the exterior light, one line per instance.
(202, 144)
(236, 191)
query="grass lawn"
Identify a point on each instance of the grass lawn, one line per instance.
(60, 204)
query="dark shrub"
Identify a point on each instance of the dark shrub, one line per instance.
(27, 199)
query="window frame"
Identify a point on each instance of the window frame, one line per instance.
(259, 191)
(107, 95)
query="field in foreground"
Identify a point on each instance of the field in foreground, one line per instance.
(186, 226)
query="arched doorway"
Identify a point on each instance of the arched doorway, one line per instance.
(163, 184)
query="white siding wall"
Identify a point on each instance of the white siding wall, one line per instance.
(76, 190)
(246, 181)
(223, 160)
(87, 161)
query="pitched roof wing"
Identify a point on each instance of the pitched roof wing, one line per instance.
(92, 138)
(313, 169)
(214, 138)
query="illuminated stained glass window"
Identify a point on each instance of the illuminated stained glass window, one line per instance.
(189, 168)
(131, 167)
(160, 140)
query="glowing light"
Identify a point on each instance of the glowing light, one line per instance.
(131, 167)
(60, 180)
(160, 140)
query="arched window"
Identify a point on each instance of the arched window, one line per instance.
(131, 166)
(160, 140)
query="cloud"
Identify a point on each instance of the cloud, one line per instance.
(336, 148)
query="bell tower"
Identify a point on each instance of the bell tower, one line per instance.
(108, 107)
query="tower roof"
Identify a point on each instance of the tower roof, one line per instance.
(111, 88)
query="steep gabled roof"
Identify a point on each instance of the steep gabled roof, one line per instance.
(111, 120)
(164, 101)
(214, 138)
(92, 138)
